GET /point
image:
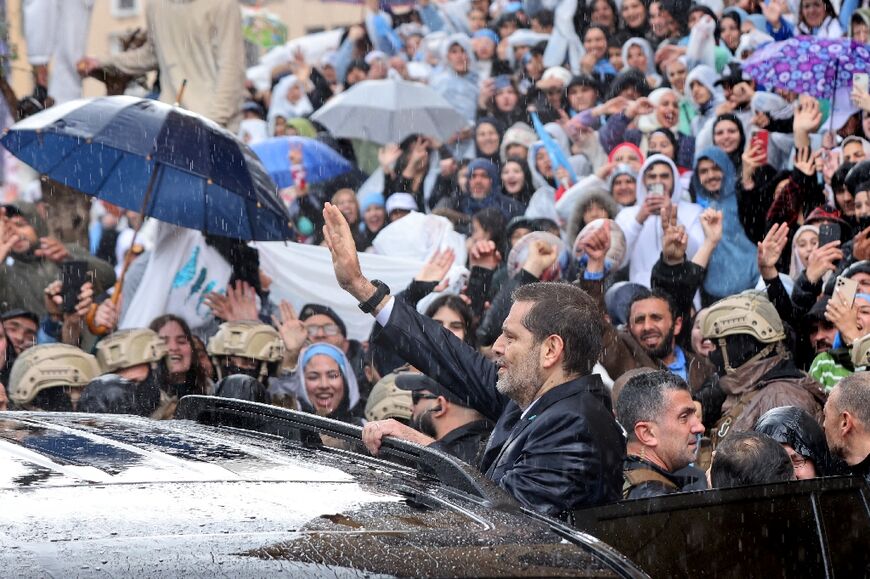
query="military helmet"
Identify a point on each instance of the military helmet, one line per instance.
(860, 352)
(128, 348)
(749, 313)
(49, 366)
(387, 400)
(253, 340)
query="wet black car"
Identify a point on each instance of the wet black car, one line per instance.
(242, 490)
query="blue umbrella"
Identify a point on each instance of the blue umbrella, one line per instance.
(161, 160)
(321, 163)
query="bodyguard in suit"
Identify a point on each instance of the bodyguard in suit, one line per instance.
(556, 446)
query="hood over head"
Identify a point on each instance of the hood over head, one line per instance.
(795, 427)
(652, 160)
(490, 168)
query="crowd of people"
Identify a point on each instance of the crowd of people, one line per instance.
(667, 264)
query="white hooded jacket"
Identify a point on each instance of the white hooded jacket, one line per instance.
(644, 240)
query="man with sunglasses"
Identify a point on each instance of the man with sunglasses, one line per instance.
(439, 419)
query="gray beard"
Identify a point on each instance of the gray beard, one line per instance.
(520, 382)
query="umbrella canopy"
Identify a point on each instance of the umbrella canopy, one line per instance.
(321, 163)
(809, 65)
(387, 111)
(178, 166)
(262, 28)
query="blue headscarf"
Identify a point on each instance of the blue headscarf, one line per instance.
(733, 266)
(323, 349)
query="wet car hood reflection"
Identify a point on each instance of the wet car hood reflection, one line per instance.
(105, 495)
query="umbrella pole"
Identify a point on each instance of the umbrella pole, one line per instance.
(128, 259)
(180, 92)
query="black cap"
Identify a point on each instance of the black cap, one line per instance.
(309, 310)
(416, 382)
(733, 74)
(19, 313)
(817, 312)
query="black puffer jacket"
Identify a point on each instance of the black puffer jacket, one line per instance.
(565, 454)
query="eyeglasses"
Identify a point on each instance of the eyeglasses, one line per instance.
(416, 397)
(328, 329)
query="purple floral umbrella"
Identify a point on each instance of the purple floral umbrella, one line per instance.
(808, 65)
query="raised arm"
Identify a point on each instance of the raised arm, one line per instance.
(417, 339)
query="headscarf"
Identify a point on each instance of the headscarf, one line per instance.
(707, 76)
(735, 156)
(733, 266)
(650, 58)
(351, 388)
(650, 122)
(303, 127)
(528, 188)
(796, 267)
(499, 128)
(631, 146)
(517, 134)
(281, 107)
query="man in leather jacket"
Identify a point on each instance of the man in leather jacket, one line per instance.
(556, 446)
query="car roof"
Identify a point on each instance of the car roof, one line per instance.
(103, 491)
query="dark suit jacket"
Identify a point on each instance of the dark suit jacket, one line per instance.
(566, 453)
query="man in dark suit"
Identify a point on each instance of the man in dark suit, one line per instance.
(556, 446)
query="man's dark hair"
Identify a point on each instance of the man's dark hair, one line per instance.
(854, 396)
(655, 293)
(642, 399)
(749, 458)
(568, 312)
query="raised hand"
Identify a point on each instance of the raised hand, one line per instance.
(388, 155)
(542, 256)
(293, 332)
(808, 116)
(52, 250)
(674, 237)
(844, 317)
(642, 106)
(805, 161)
(822, 260)
(596, 245)
(712, 223)
(484, 254)
(436, 268)
(770, 250)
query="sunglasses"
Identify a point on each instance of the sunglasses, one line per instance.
(416, 397)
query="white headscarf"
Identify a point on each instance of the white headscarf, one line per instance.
(281, 107)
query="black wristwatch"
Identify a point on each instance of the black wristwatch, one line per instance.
(370, 304)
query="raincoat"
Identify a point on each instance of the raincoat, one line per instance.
(645, 239)
(733, 266)
(24, 276)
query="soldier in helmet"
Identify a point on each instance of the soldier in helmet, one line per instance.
(133, 363)
(51, 377)
(250, 348)
(756, 372)
(386, 401)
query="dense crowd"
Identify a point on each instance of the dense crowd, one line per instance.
(661, 256)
